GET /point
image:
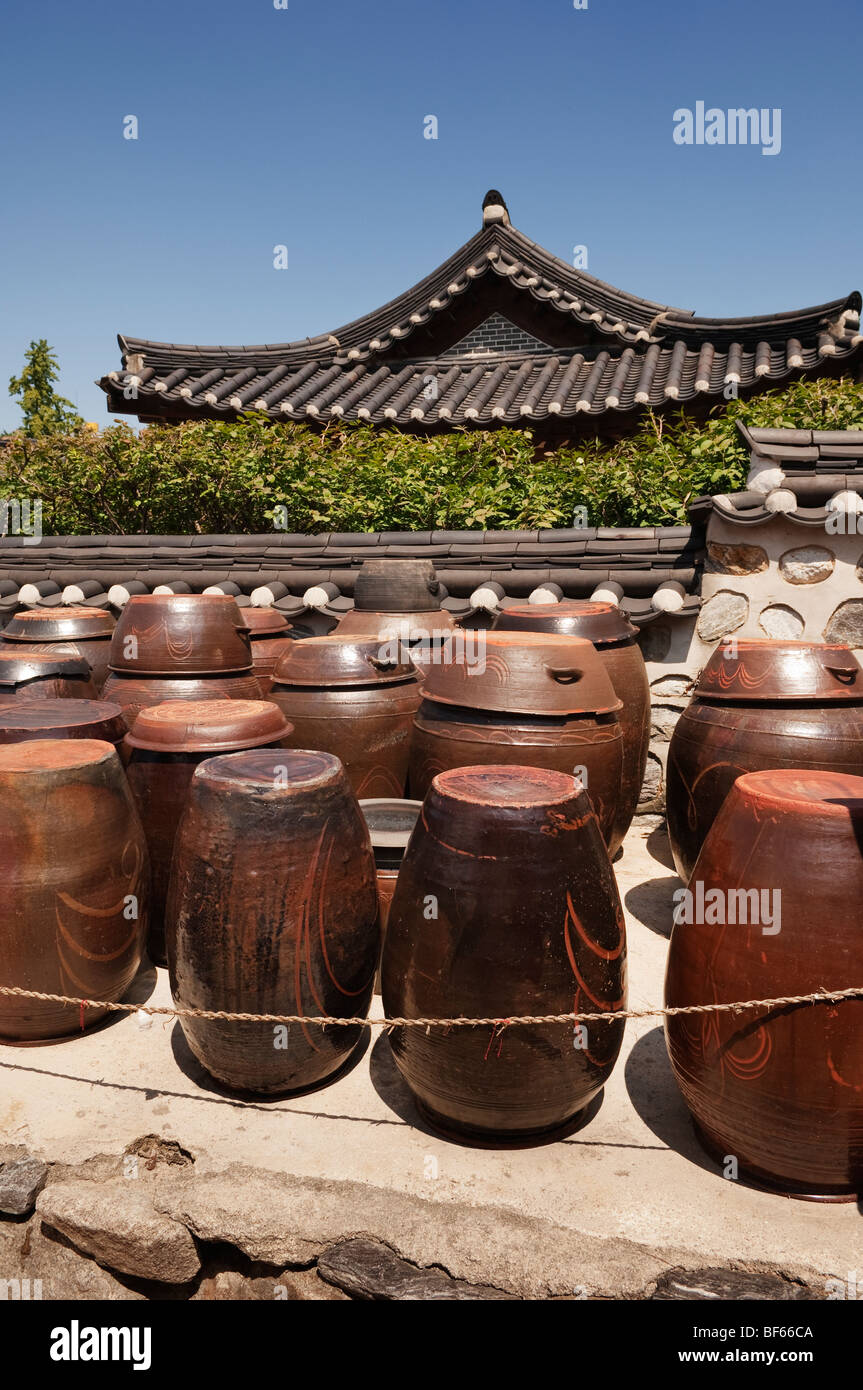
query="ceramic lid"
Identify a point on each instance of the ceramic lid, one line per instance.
(181, 634)
(601, 623)
(525, 673)
(20, 722)
(59, 624)
(208, 726)
(756, 671)
(262, 622)
(35, 662)
(361, 659)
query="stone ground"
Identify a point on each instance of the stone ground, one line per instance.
(160, 1185)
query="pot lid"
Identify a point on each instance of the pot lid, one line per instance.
(181, 634)
(361, 659)
(42, 663)
(757, 671)
(59, 624)
(525, 673)
(208, 726)
(21, 722)
(416, 627)
(601, 623)
(264, 621)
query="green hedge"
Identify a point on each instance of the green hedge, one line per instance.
(209, 476)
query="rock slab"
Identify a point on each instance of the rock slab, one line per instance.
(117, 1224)
(21, 1181)
(368, 1269)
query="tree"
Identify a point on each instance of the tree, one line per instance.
(44, 411)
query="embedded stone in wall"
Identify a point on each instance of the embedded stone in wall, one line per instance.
(810, 564)
(662, 721)
(780, 621)
(723, 612)
(671, 687)
(735, 559)
(651, 787)
(655, 640)
(846, 624)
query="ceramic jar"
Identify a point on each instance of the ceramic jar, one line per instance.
(175, 635)
(54, 672)
(533, 699)
(759, 705)
(272, 909)
(775, 911)
(614, 638)
(268, 633)
(351, 697)
(506, 905)
(90, 629)
(165, 745)
(43, 719)
(74, 883)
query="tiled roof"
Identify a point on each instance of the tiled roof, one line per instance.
(633, 563)
(404, 364)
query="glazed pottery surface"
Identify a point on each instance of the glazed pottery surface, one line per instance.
(269, 635)
(44, 672)
(354, 699)
(180, 635)
(613, 636)
(134, 693)
(93, 719)
(272, 909)
(74, 884)
(775, 705)
(780, 1089)
(399, 586)
(506, 905)
(534, 700)
(166, 743)
(89, 628)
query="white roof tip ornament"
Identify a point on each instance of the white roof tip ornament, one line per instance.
(782, 499)
(546, 593)
(669, 597)
(765, 477)
(494, 209)
(608, 593)
(845, 501)
(487, 596)
(72, 594)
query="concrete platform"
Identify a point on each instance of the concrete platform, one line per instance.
(603, 1212)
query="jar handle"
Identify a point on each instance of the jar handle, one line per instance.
(381, 665)
(564, 675)
(842, 673)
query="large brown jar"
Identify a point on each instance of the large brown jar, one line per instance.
(506, 905)
(53, 672)
(269, 636)
(272, 909)
(165, 745)
(614, 637)
(354, 698)
(531, 700)
(775, 911)
(180, 635)
(90, 629)
(74, 883)
(759, 705)
(42, 719)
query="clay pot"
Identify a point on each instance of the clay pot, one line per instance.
(534, 700)
(614, 637)
(526, 920)
(268, 632)
(421, 637)
(391, 824)
(397, 586)
(53, 672)
(166, 743)
(780, 1089)
(352, 698)
(134, 693)
(180, 635)
(774, 704)
(74, 883)
(89, 628)
(272, 909)
(43, 719)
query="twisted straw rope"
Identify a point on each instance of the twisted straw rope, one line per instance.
(820, 997)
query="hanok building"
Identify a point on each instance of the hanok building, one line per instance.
(503, 333)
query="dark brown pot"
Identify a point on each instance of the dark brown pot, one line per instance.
(397, 586)
(166, 743)
(89, 628)
(180, 635)
(349, 697)
(22, 723)
(780, 1090)
(540, 701)
(134, 693)
(527, 920)
(614, 637)
(53, 672)
(74, 883)
(272, 909)
(777, 705)
(268, 631)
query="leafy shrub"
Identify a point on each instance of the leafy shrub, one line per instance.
(213, 476)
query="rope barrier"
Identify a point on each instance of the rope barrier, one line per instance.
(822, 996)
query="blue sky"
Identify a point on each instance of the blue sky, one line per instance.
(304, 127)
